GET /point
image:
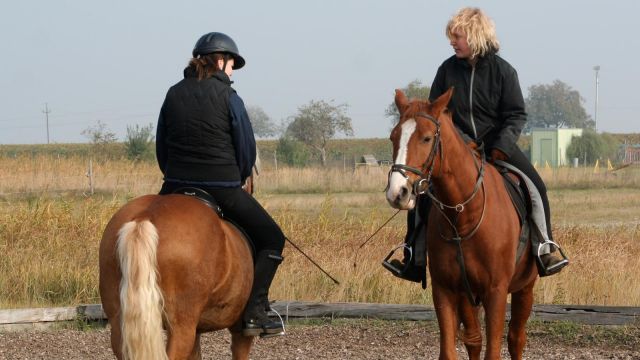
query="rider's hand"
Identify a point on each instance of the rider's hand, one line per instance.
(498, 155)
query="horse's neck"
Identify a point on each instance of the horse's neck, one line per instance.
(456, 179)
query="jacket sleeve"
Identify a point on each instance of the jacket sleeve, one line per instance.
(161, 148)
(244, 142)
(513, 114)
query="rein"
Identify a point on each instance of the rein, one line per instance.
(422, 187)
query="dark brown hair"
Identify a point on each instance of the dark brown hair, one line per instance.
(206, 65)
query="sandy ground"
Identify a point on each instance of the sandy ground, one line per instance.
(343, 340)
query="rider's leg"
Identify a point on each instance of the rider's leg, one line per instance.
(550, 260)
(269, 240)
(412, 267)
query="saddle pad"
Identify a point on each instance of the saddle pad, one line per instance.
(521, 204)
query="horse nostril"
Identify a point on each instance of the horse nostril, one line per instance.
(404, 191)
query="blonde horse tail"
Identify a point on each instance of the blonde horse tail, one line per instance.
(141, 299)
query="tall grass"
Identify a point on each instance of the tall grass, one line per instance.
(43, 173)
(50, 229)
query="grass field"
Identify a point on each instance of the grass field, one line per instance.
(50, 228)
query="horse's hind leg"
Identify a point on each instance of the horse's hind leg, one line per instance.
(472, 335)
(521, 304)
(181, 341)
(116, 337)
(196, 353)
(240, 345)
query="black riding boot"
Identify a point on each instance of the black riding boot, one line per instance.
(414, 247)
(553, 262)
(255, 319)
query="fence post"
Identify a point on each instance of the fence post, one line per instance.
(275, 159)
(90, 176)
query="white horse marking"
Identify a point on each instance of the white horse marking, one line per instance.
(397, 182)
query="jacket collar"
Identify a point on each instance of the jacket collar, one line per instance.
(482, 61)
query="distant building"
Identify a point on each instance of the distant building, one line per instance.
(631, 154)
(549, 146)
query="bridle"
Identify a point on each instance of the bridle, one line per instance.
(425, 173)
(422, 186)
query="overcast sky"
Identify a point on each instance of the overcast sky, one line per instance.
(113, 61)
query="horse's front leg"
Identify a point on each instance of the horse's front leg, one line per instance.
(472, 336)
(521, 304)
(495, 304)
(445, 303)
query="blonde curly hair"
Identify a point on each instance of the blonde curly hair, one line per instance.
(479, 28)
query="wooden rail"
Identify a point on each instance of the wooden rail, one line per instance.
(592, 315)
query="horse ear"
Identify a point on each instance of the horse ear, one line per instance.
(401, 101)
(441, 103)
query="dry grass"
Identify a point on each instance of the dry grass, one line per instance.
(49, 235)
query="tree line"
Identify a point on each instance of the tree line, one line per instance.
(305, 135)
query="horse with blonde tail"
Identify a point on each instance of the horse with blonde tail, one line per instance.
(169, 262)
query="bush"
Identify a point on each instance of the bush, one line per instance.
(292, 152)
(592, 146)
(138, 143)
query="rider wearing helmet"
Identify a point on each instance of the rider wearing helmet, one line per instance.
(204, 139)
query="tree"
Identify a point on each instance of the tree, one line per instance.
(138, 143)
(556, 106)
(101, 138)
(261, 122)
(317, 122)
(99, 134)
(414, 90)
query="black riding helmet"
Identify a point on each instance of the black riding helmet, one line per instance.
(216, 42)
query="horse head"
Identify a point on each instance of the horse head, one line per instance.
(416, 142)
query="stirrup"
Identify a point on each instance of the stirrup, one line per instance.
(542, 269)
(395, 270)
(265, 335)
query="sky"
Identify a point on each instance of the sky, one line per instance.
(113, 61)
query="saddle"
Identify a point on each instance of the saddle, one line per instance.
(211, 202)
(521, 200)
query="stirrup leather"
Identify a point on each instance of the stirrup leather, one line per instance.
(395, 270)
(543, 270)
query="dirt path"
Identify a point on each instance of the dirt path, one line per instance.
(341, 340)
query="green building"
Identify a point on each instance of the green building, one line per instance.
(549, 146)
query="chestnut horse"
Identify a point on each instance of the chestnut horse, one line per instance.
(472, 232)
(169, 261)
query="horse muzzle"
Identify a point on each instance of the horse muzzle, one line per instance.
(400, 193)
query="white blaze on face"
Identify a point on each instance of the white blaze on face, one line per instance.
(396, 181)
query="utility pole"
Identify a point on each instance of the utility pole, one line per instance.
(46, 112)
(597, 69)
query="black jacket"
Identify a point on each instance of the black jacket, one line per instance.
(487, 103)
(204, 135)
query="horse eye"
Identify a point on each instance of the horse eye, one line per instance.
(426, 139)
